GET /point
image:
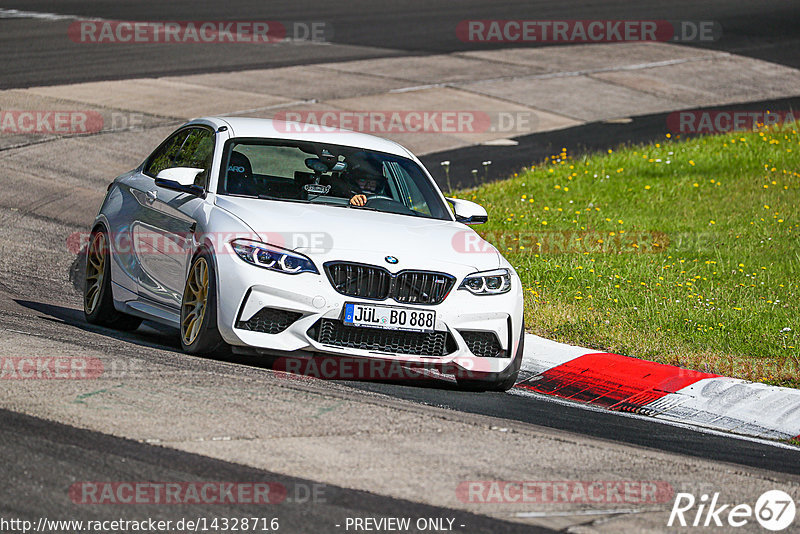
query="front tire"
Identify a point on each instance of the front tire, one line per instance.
(199, 332)
(502, 381)
(98, 301)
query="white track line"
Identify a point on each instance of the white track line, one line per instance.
(588, 512)
(17, 14)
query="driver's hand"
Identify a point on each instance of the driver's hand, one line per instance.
(358, 200)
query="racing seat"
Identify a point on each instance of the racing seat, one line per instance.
(239, 179)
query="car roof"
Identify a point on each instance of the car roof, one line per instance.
(276, 129)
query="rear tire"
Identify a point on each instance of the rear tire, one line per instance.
(199, 332)
(98, 301)
(502, 381)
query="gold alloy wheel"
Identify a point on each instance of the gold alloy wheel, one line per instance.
(95, 272)
(195, 298)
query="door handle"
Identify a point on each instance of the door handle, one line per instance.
(151, 196)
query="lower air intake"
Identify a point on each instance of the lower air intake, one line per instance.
(334, 332)
(483, 344)
(269, 321)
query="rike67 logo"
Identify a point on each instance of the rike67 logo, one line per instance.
(774, 510)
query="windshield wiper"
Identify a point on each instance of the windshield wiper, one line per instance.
(338, 205)
(270, 197)
(335, 203)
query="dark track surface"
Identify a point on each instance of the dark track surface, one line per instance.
(42, 459)
(586, 138)
(607, 425)
(538, 411)
(38, 52)
(534, 410)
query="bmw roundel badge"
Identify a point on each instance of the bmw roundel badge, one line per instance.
(391, 259)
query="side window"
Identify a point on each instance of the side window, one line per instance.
(416, 200)
(193, 147)
(164, 156)
(197, 151)
(409, 192)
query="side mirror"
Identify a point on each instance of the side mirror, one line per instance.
(181, 175)
(468, 212)
(181, 179)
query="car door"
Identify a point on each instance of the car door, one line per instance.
(126, 199)
(166, 221)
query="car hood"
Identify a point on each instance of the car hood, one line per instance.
(326, 233)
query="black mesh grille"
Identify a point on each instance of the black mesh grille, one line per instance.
(483, 344)
(373, 282)
(357, 280)
(269, 321)
(334, 332)
(420, 287)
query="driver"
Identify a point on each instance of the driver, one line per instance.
(341, 187)
(365, 184)
(358, 200)
(344, 186)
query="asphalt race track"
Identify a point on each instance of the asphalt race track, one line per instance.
(361, 29)
(33, 446)
(175, 406)
(30, 446)
(766, 30)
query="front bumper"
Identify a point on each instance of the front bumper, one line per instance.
(311, 303)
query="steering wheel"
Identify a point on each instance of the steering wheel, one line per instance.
(387, 204)
(370, 198)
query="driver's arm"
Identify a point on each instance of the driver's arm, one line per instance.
(358, 200)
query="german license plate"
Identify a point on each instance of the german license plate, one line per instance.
(389, 317)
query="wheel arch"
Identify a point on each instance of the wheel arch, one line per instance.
(101, 225)
(206, 245)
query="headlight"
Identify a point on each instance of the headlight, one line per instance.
(273, 258)
(488, 282)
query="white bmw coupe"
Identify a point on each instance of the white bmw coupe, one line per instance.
(280, 238)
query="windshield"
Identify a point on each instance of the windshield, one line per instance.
(300, 171)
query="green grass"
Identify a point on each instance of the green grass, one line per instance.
(683, 252)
